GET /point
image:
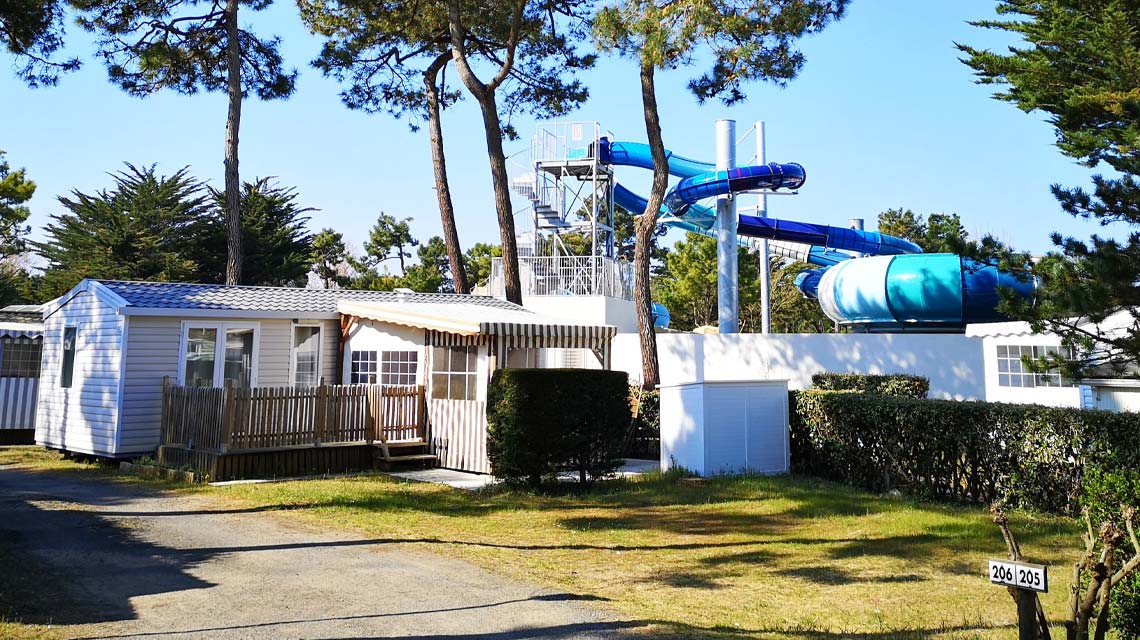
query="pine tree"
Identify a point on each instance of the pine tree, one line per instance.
(32, 31)
(15, 190)
(1077, 64)
(329, 259)
(745, 40)
(533, 43)
(189, 46)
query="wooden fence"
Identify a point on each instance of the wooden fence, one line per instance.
(260, 418)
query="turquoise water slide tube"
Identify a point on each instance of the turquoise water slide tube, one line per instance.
(896, 287)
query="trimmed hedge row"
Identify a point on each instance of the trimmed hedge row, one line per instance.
(542, 421)
(1030, 455)
(895, 384)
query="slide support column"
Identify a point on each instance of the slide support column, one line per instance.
(728, 308)
(762, 211)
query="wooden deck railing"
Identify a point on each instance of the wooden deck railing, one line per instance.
(235, 419)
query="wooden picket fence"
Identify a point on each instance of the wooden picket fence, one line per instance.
(263, 418)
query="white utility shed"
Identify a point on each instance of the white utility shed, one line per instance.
(722, 427)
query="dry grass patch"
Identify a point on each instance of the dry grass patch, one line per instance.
(786, 557)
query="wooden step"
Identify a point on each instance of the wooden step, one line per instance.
(401, 444)
(415, 457)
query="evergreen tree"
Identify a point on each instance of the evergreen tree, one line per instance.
(745, 41)
(389, 239)
(32, 31)
(478, 259)
(687, 285)
(433, 273)
(1077, 65)
(15, 190)
(393, 59)
(189, 46)
(532, 42)
(147, 227)
(330, 258)
(936, 233)
(277, 248)
(791, 311)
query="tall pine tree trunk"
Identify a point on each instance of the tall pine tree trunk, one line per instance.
(493, 130)
(233, 123)
(442, 188)
(494, 133)
(644, 226)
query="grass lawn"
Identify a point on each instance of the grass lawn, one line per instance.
(728, 557)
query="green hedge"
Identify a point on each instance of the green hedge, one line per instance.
(896, 384)
(542, 421)
(1030, 455)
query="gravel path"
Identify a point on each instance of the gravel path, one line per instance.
(145, 564)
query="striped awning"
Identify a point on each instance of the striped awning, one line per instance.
(454, 325)
(559, 336)
(529, 336)
(30, 330)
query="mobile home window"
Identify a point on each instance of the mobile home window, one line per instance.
(19, 359)
(454, 373)
(363, 369)
(213, 354)
(68, 370)
(399, 367)
(306, 355)
(1013, 373)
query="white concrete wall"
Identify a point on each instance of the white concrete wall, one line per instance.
(953, 363)
(1050, 396)
(586, 310)
(83, 417)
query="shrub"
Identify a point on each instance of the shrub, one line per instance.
(895, 384)
(1105, 493)
(541, 421)
(645, 429)
(1027, 455)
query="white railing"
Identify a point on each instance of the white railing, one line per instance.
(568, 276)
(558, 140)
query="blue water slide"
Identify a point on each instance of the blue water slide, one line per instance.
(896, 287)
(701, 180)
(929, 290)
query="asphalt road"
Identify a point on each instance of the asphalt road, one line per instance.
(139, 563)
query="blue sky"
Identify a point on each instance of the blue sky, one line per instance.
(883, 115)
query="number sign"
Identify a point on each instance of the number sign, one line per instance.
(1022, 575)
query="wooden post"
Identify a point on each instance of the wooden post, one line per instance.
(1026, 615)
(229, 407)
(322, 411)
(165, 419)
(374, 402)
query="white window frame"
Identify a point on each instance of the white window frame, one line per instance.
(1023, 375)
(381, 361)
(293, 349)
(220, 348)
(475, 373)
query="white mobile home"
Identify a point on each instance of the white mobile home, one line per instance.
(109, 346)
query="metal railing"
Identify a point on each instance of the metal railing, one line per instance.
(568, 276)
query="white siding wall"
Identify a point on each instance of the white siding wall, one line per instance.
(81, 418)
(369, 335)
(152, 353)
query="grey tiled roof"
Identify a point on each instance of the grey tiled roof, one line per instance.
(181, 296)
